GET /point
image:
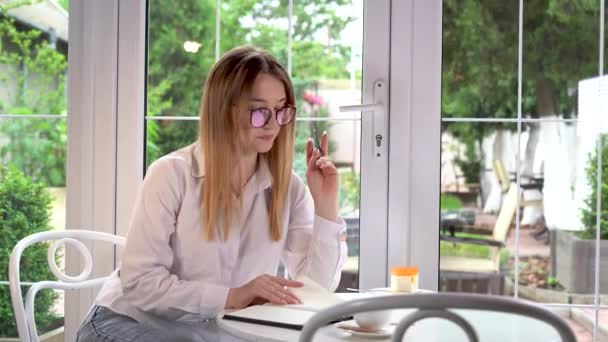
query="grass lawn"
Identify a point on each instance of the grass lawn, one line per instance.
(469, 250)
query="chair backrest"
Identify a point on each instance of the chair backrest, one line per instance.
(504, 220)
(440, 305)
(501, 174)
(505, 216)
(24, 314)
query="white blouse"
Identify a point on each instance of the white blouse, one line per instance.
(169, 271)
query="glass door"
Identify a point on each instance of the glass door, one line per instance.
(518, 154)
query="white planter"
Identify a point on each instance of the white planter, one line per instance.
(569, 253)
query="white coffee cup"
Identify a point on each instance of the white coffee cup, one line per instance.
(373, 319)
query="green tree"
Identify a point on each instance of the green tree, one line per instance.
(176, 78)
(480, 53)
(311, 58)
(35, 77)
(182, 75)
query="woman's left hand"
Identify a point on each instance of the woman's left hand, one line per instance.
(323, 179)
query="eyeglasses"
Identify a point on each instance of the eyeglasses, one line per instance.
(261, 116)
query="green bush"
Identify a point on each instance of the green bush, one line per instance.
(37, 147)
(35, 75)
(350, 192)
(449, 202)
(25, 208)
(470, 136)
(589, 211)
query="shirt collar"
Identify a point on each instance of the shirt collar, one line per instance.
(262, 176)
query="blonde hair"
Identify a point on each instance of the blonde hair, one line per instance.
(228, 86)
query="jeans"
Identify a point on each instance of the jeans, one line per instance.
(103, 324)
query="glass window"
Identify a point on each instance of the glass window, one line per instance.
(519, 152)
(479, 68)
(33, 146)
(325, 64)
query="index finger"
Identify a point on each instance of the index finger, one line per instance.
(325, 143)
(309, 149)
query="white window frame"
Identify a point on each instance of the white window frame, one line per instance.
(105, 166)
(414, 172)
(373, 240)
(92, 122)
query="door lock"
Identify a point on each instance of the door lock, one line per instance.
(377, 110)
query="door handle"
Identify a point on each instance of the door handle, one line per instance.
(378, 110)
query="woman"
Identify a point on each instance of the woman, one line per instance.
(213, 220)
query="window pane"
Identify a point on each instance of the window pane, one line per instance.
(181, 51)
(327, 65)
(557, 247)
(344, 151)
(555, 172)
(33, 74)
(166, 136)
(32, 192)
(556, 37)
(477, 206)
(263, 24)
(479, 68)
(36, 147)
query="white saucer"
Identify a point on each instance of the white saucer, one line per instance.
(386, 332)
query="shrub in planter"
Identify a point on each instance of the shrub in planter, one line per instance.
(24, 209)
(570, 250)
(589, 212)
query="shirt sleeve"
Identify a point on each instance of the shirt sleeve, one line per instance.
(315, 247)
(147, 259)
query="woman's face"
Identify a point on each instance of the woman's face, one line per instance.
(267, 92)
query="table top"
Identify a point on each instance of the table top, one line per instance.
(490, 326)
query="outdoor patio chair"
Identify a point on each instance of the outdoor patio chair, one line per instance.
(527, 183)
(24, 314)
(506, 182)
(458, 225)
(495, 243)
(480, 274)
(455, 307)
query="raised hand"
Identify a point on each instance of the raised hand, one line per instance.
(323, 179)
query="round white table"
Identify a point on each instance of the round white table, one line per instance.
(490, 326)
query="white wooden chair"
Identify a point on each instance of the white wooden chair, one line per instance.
(24, 314)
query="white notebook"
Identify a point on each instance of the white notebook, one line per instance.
(313, 296)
